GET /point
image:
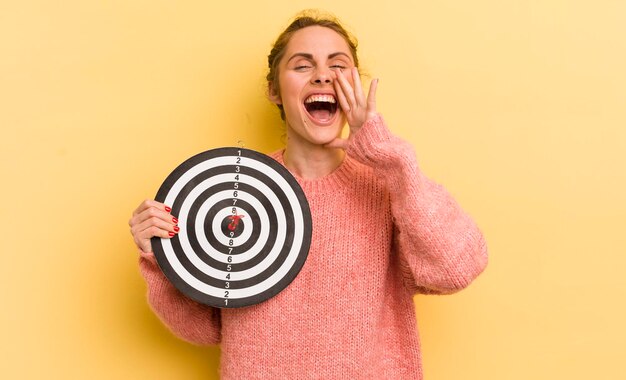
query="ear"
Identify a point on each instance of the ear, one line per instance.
(273, 95)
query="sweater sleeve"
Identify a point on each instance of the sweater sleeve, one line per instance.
(440, 248)
(189, 320)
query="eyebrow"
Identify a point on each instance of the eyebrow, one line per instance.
(310, 56)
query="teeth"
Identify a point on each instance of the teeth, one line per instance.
(320, 98)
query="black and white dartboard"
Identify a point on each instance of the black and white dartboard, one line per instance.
(245, 228)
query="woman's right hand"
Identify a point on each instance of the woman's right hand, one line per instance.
(152, 219)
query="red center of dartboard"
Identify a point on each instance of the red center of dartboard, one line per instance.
(234, 221)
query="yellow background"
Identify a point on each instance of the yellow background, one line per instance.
(517, 107)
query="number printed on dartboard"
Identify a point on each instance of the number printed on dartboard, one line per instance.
(235, 219)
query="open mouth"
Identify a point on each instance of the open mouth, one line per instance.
(321, 107)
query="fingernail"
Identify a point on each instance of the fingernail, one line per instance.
(168, 209)
(171, 234)
(175, 220)
(176, 228)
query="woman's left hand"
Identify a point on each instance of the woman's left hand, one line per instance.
(352, 101)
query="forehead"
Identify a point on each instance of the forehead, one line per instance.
(318, 41)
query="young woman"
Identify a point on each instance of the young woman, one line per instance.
(382, 232)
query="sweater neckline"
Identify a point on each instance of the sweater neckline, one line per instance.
(341, 176)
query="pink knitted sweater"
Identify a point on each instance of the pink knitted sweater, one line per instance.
(382, 232)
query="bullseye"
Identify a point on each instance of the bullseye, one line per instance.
(245, 228)
(232, 225)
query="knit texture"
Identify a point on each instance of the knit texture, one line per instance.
(382, 232)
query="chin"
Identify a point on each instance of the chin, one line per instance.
(323, 134)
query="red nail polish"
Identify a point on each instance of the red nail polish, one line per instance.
(168, 209)
(176, 228)
(175, 220)
(171, 234)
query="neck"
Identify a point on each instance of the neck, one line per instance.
(313, 161)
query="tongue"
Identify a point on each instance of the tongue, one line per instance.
(321, 115)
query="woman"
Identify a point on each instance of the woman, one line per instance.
(382, 232)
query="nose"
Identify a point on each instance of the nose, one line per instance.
(322, 75)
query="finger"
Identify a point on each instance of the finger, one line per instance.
(347, 90)
(152, 212)
(144, 245)
(154, 231)
(151, 227)
(148, 203)
(142, 234)
(371, 96)
(338, 143)
(160, 225)
(343, 102)
(358, 89)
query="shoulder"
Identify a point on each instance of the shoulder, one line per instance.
(277, 155)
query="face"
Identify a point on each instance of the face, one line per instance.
(306, 74)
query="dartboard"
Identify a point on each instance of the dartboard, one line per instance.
(245, 228)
